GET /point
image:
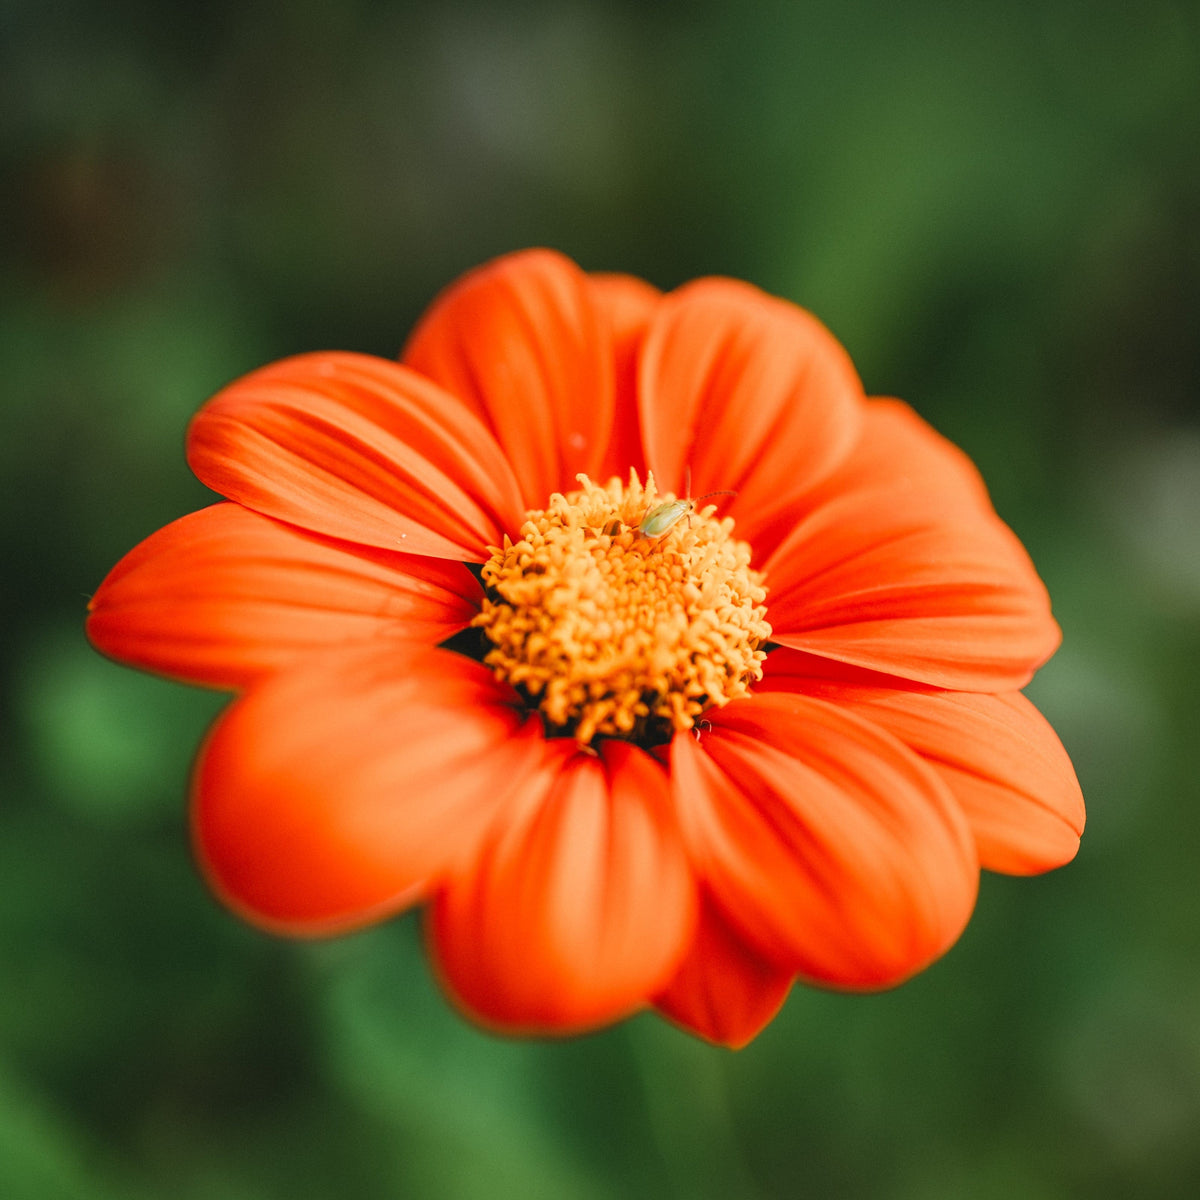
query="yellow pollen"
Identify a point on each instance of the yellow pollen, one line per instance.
(613, 633)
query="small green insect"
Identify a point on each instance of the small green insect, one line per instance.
(659, 519)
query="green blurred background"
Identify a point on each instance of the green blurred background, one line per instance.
(998, 212)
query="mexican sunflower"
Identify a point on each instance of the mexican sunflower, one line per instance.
(627, 747)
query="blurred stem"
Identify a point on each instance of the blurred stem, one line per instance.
(684, 1084)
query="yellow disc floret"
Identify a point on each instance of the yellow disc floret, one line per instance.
(611, 632)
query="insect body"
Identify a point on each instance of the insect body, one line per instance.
(659, 519)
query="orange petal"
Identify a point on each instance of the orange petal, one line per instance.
(724, 991)
(225, 595)
(521, 343)
(628, 304)
(957, 606)
(999, 756)
(835, 850)
(901, 455)
(748, 392)
(580, 908)
(361, 449)
(340, 792)
(901, 566)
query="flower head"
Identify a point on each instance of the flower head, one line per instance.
(648, 750)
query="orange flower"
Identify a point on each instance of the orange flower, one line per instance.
(676, 759)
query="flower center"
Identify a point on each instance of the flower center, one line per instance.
(611, 631)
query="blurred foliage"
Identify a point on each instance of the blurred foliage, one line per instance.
(993, 207)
